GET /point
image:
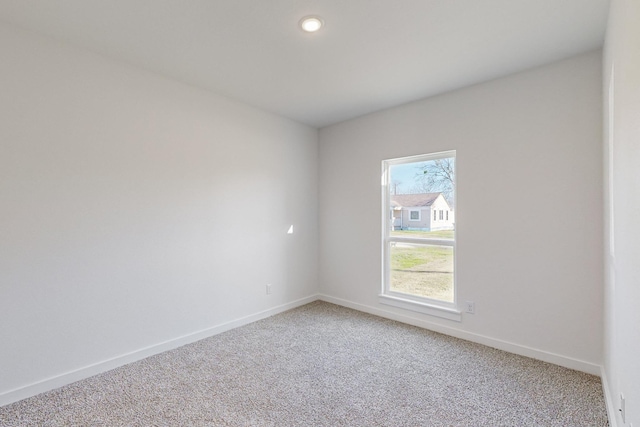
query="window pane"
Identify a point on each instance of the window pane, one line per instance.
(421, 231)
(422, 270)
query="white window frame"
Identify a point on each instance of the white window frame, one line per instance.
(444, 309)
(419, 215)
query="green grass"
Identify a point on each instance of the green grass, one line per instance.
(440, 234)
(413, 258)
(426, 271)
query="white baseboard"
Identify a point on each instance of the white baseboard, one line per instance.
(106, 365)
(567, 362)
(612, 412)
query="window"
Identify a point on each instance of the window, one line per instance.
(418, 259)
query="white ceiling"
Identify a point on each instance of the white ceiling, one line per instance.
(372, 54)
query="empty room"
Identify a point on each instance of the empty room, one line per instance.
(319, 213)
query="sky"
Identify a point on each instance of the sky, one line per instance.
(405, 174)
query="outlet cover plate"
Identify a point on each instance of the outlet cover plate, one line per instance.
(470, 307)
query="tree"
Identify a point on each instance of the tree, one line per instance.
(436, 176)
(395, 187)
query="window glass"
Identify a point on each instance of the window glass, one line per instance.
(419, 257)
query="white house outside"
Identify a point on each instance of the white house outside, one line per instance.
(424, 212)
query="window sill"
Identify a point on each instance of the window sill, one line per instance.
(421, 307)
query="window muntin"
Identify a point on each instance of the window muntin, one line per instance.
(419, 259)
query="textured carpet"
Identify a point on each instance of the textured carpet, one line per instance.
(323, 365)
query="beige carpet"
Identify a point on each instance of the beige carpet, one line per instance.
(324, 365)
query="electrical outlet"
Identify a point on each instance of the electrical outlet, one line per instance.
(622, 409)
(471, 307)
(268, 288)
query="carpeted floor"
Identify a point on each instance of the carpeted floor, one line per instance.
(324, 365)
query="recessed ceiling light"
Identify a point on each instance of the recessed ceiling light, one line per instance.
(311, 24)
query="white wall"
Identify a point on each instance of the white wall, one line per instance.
(622, 210)
(528, 153)
(124, 202)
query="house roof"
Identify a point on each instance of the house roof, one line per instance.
(413, 200)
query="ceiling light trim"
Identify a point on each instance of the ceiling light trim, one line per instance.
(311, 24)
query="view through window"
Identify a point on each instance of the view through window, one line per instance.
(419, 228)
